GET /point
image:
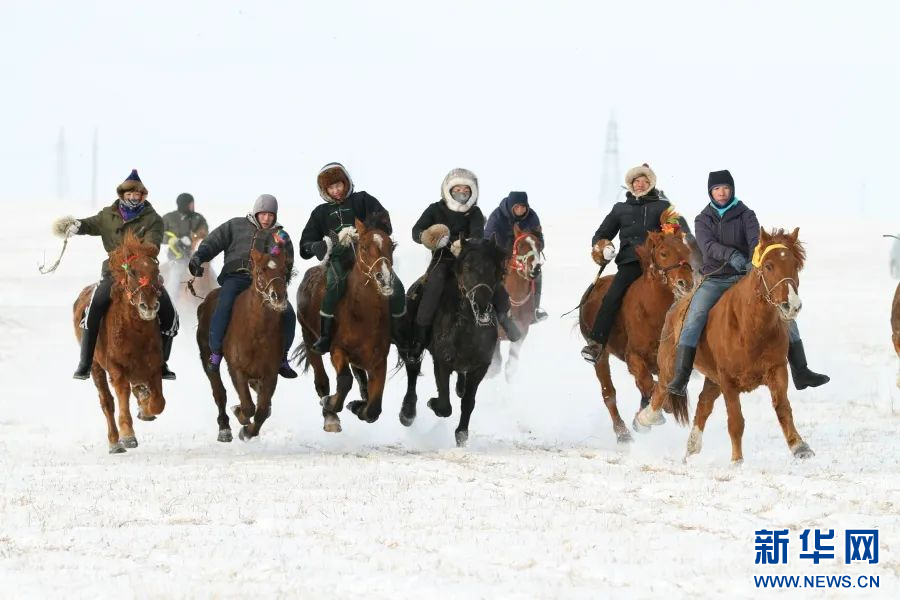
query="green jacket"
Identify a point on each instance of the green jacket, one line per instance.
(108, 224)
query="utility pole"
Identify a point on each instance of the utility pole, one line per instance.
(611, 187)
(94, 156)
(61, 187)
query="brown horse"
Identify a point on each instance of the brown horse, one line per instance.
(361, 338)
(522, 270)
(667, 274)
(252, 346)
(895, 325)
(743, 346)
(128, 344)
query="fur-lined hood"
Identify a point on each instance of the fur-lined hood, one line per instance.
(459, 177)
(332, 173)
(636, 172)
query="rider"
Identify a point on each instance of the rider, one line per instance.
(236, 238)
(181, 225)
(632, 220)
(328, 236)
(727, 232)
(129, 212)
(454, 217)
(514, 210)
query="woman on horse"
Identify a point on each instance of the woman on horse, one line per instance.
(515, 210)
(328, 235)
(632, 220)
(129, 212)
(454, 217)
(236, 238)
(181, 225)
(727, 233)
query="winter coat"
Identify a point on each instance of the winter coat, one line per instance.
(720, 237)
(467, 225)
(502, 220)
(111, 228)
(331, 217)
(180, 225)
(235, 237)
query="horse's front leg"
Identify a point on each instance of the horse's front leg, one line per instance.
(473, 380)
(246, 409)
(108, 405)
(370, 408)
(408, 409)
(441, 405)
(333, 404)
(264, 392)
(123, 394)
(777, 382)
(608, 390)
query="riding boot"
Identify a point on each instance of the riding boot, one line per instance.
(215, 361)
(803, 377)
(419, 341)
(166, 351)
(88, 343)
(592, 352)
(323, 344)
(285, 369)
(506, 321)
(684, 364)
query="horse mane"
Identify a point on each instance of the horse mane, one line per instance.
(794, 246)
(379, 220)
(131, 245)
(486, 249)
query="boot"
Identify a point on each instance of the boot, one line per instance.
(88, 343)
(509, 326)
(419, 341)
(215, 360)
(285, 369)
(684, 364)
(539, 315)
(803, 377)
(166, 351)
(592, 352)
(323, 344)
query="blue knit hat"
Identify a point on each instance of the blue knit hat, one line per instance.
(132, 183)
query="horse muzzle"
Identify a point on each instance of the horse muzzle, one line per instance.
(682, 287)
(789, 309)
(147, 312)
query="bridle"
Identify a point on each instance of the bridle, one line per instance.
(519, 262)
(134, 294)
(469, 295)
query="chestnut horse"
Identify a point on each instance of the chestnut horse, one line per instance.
(128, 343)
(523, 268)
(252, 347)
(743, 346)
(634, 339)
(362, 335)
(895, 325)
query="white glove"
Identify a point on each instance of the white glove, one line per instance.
(456, 247)
(609, 252)
(186, 241)
(443, 241)
(66, 227)
(347, 235)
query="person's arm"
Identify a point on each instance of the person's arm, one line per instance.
(709, 245)
(608, 228)
(492, 229)
(216, 242)
(90, 225)
(424, 222)
(751, 227)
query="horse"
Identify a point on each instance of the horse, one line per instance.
(634, 339)
(895, 326)
(362, 337)
(523, 269)
(743, 346)
(175, 274)
(252, 347)
(128, 344)
(464, 334)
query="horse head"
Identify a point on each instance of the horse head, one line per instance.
(666, 258)
(375, 252)
(135, 269)
(270, 276)
(778, 259)
(479, 269)
(527, 257)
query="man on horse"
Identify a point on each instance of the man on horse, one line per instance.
(129, 212)
(236, 238)
(727, 233)
(440, 229)
(632, 220)
(181, 225)
(515, 210)
(328, 236)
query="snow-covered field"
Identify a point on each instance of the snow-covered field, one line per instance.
(541, 504)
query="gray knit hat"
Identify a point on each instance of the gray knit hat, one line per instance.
(265, 203)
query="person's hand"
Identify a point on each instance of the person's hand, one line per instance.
(347, 235)
(609, 252)
(456, 247)
(66, 227)
(186, 241)
(195, 266)
(443, 241)
(739, 262)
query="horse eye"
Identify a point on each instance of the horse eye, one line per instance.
(768, 266)
(664, 254)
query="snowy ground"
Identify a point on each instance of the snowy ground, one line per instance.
(541, 504)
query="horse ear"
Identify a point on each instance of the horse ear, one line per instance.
(360, 226)
(764, 238)
(517, 231)
(795, 234)
(255, 255)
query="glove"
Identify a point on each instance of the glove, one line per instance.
(322, 248)
(195, 266)
(66, 227)
(347, 235)
(739, 262)
(434, 237)
(456, 247)
(333, 237)
(186, 241)
(443, 241)
(609, 252)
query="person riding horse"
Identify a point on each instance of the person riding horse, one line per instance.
(440, 229)
(515, 210)
(727, 232)
(129, 212)
(236, 238)
(180, 225)
(632, 220)
(328, 235)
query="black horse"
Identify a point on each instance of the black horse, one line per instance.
(463, 335)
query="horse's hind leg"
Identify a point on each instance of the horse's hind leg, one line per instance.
(221, 398)
(362, 380)
(108, 405)
(601, 369)
(265, 389)
(441, 404)
(705, 404)
(333, 404)
(408, 409)
(777, 384)
(126, 425)
(372, 387)
(473, 380)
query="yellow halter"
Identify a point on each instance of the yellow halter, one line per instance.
(759, 257)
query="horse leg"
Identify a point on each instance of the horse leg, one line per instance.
(496, 361)
(221, 398)
(265, 389)
(373, 387)
(460, 387)
(512, 363)
(408, 409)
(320, 375)
(777, 384)
(107, 404)
(473, 380)
(441, 404)
(333, 404)
(362, 380)
(601, 370)
(705, 404)
(735, 421)
(246, 409)
(126, 425)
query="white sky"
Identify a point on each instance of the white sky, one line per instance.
(231, 99)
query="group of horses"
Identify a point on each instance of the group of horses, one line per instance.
(743, 346)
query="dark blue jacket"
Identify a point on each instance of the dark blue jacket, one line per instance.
(720, 237)
(501, 222)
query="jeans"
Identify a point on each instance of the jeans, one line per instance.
(232, 286)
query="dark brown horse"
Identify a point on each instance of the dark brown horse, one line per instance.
(522, 270)
(362, 335)
(252, 346)
(895, 325)
(743, 346)
(128, 344)
(634, 339)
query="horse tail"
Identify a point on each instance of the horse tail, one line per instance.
(679, 408)
(300, 357)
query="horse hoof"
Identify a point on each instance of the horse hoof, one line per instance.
(130, 442)
(244, 434)
(802, 450)
(239, 415)
(440, 411)
(224, 435)
(623, 438)
(694, 443)
(117, 448)
(461, 438)
(638, 426)
(407, 419)
(332, 427)
(738, 462)
(144, 417)
(356, 406)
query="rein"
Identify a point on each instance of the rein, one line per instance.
(769, 290)
(470, 296)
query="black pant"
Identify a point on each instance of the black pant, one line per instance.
(609, 308)
(168, 318)
(433, 289)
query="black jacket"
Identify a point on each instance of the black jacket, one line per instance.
(235, 238)
(467, 225)
(331, 217)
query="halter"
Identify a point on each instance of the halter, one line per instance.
(519, 262)
(132, 294)
(758, 258)
(664, 271)
(470, 296)
(369, 270)
(263, 291)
